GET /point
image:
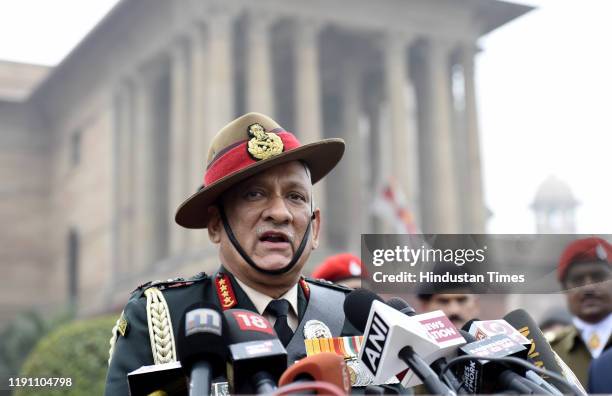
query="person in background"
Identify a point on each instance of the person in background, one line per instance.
(585, 274)
(344, 269)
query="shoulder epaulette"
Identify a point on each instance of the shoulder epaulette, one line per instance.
(172, 283)
(331, 285)
(555, 336)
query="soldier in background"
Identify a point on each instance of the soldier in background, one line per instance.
(585, 274)
(344, 269)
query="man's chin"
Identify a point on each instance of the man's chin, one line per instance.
(273, 265)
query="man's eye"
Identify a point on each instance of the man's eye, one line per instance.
(297, 197)
(253, 194)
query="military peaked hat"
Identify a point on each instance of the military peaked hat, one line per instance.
(246, 146)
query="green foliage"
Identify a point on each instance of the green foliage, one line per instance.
(22, 334)
(77, 350)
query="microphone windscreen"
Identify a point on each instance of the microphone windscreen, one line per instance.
(246, 326)
(357, 306)
(200, 336)
(401, 305)
(324, 366)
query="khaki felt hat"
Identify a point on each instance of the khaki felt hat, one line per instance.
(246, 146)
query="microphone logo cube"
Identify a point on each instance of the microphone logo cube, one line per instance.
(375, 343)
(249, 321)
(202, 320)
(441, 329)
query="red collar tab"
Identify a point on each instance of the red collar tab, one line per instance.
(305, 288)
(225, 292)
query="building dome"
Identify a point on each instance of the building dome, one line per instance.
(554, 193)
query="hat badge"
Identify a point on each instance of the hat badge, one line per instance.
(263, 145)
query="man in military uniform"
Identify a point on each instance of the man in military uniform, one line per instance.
(258, 207)
(585, 273)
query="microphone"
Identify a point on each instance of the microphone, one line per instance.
(540, 352)
(437, 365)
(200, 346)
(385, 333)
(257, 357)
(323, 367)
(477, 371)
(167, 377)
(401, 305)
(488, 328)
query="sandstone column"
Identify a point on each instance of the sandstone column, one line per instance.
(199, 139)
(440, 209)
(179, 180)
(260, 89)
(219, 83)
(144, 230)
(404, 148)
(353, 190)
(309, 121)
(474, 200)
(123, 169)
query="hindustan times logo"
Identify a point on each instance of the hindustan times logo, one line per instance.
(411, 256)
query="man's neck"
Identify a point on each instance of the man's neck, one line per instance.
(274, 291)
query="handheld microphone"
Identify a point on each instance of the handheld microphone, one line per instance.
(488, 328)
(200, 346)
(540, 352)
(386, 331)
(437, 365)
(257, 357)
(324, 367)
(477, 371)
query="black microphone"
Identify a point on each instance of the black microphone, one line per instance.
(401, 305)
(357, 307)
(541, 353)
(257, 357)
(200, 346)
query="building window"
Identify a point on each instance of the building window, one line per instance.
(75, 148)
(73, 266)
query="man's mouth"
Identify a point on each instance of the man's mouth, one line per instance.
(276, 238)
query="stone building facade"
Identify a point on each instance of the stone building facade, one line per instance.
(102, 151)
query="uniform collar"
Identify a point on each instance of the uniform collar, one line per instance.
(603, 329)
(261, 300)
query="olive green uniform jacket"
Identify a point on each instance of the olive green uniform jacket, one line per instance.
(571, 349)
(133, 347)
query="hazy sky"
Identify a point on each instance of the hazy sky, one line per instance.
(544, 86)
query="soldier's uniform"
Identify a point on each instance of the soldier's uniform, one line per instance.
(572, 350)
(251, 144)
(568, 342)
(145, 332)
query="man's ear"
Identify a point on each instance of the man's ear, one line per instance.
(214, 225)
(316, 228)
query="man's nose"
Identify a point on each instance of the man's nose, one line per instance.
(277, 211)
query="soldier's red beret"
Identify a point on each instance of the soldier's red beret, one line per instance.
(584, 250)
(339, 267)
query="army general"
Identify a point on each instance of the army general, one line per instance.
(258, 208)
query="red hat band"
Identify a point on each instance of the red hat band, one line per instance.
(236, 157)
